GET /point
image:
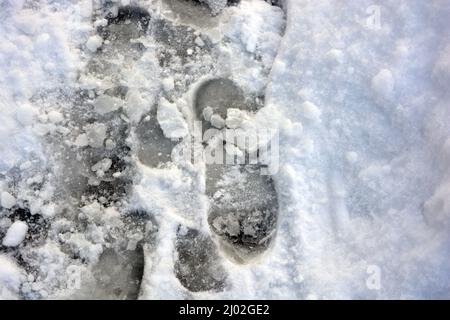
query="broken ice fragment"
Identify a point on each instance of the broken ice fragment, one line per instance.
(105, 104)
(82, 140)
(199, 42)
(96, 134)
(217, 121)
(94, 43)
(55, 116)
(207, 113)
(7, 200)
(15, 234)
(168, 84)
(235, 117)
(102, 166)
(171, 120)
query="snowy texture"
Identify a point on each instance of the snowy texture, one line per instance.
(362, 108)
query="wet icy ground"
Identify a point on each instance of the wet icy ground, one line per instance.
(363, 187)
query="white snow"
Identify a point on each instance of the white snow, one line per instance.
(94, 43)
(168, 84)
(11, 276)
(363, 113)
(55, 116)
(235, 117)
(7, 200)
(15, 234)
(171, 120)
(217, 121)
(311, 111)
(383, 83)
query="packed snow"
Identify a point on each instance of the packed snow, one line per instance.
(96, 178)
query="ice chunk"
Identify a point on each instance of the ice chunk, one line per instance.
(96, 134)
(55, 116)
(199, 42)
(15, 234)
(102, 166)
(105, 104)
(82, 140)
(207, 113)
(168, 84)
(171, 120)
(217, 121)
(94, 43)
(7, 200)
(100, 23)
(235, 117)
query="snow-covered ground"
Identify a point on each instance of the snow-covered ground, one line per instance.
(357, 89)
